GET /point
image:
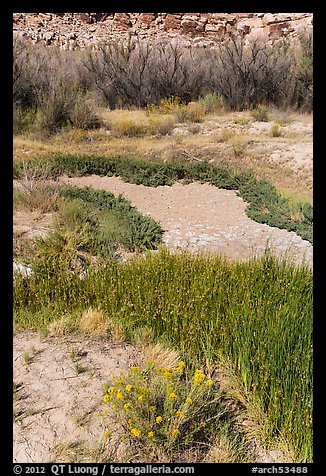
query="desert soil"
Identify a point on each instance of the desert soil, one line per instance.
(56, 405)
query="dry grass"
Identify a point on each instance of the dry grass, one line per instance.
(91, 322)
(224, 135)
(35, 197)
(222, 451)
(163, 355)
(78, 451)
(94, 322)
(66, 324)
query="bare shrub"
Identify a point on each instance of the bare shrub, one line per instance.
(247, 75)
(64, 86)
(52, 84)
(139, 73)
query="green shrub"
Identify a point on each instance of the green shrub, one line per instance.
(260, 113)
(114, 221)
(275, 130)
(303, 88)
(211, 103)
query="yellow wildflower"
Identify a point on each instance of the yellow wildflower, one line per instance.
(202, 424)
(128, 387)
(135, 432)
(141, 398)
(107, 434)
(181, 366)
(150, 434)
(120, 395)
(176, 431)
(188, 400)
(172, 395)
(130, 421)
(152, 408)
(199, 376)
(126, 405)
(209, 383)
(159, 419)
(178, 412)
(110, 389)
(114, 405)
(106, 398)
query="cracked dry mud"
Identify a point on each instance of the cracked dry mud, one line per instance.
(203, 217)
(55, 404)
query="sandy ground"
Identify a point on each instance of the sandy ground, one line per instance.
(203, 217)
(55, 404)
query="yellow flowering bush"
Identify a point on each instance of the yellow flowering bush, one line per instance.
(163, 407)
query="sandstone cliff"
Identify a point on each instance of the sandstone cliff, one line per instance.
(71, 30)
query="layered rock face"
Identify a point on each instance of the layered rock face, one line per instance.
(71, 30)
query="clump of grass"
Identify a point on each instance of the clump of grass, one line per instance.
(242, 120)
(161, 353)
(161, 126)
(28, 356)
(66, 324)
(127, 128)
(192, 112)
(225, 135)
(237, 143)
(79, 451)
(275, 130)
(17, 391)
(260, 113)
(93, 322)
(78, 366)
(33, 195)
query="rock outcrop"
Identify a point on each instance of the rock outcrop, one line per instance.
(72, 30)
